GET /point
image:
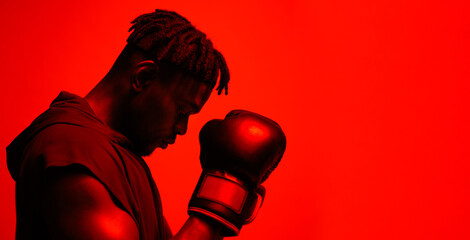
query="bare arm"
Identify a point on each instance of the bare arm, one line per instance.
(78, 206)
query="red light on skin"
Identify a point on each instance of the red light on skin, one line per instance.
(112, 226)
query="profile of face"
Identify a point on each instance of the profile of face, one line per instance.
(162, 101)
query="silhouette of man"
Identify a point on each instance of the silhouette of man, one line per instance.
(78, 167)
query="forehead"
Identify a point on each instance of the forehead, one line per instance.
(189, 91)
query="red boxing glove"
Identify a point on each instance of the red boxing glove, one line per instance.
(237, 155)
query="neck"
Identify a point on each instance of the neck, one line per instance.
(103, 101)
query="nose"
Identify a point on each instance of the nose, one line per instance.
(181, 125)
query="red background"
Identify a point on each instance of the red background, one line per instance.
(372, 95)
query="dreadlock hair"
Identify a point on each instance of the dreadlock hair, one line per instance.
(168, 37)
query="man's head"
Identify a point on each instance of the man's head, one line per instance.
(165, 73)
(168, 37)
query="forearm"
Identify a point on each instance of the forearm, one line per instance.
(199, 228)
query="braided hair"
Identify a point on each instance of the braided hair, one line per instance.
(171, 38)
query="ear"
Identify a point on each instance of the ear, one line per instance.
(144, 73)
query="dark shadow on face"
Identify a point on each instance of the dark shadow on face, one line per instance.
(160, 112)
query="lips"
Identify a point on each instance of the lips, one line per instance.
(169, 140)
(163, 143)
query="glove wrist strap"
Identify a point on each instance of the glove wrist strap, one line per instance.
(225, 191)
(224, 198)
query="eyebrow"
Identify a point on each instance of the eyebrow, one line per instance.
(194, 107)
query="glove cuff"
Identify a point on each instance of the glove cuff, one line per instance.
(230, 229)
(223, 198)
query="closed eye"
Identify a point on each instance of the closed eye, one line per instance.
(188, 110)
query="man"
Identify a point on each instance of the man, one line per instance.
(78, 167)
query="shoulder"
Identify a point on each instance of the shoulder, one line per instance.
(61, 147)
(86, 210)
(70, 136)
(64, 144)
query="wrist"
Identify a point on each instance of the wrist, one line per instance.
(199, 227)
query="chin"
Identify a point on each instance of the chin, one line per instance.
(145, 152)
